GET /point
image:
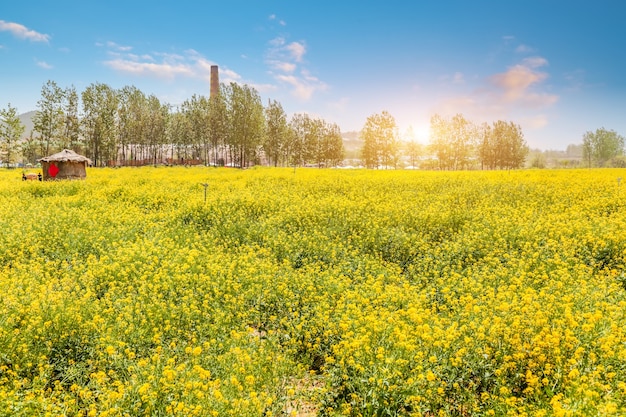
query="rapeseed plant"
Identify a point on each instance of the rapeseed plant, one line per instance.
(391, 293)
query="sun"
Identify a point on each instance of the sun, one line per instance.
(422, 133)
(419, 132)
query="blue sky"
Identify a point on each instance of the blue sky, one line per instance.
(557, 68)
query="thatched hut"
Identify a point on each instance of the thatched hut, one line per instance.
(66, 164)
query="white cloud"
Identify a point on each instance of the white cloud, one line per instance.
(277, 42)
(286, 61)
(204, 65)
(264, 88)
(43, 64)
(161, 70)
(228, 76)
(189, 64)
(515, 85)
(297, 50)
(303, 87)
(280, 50)
(280, 21)
(174, 58)
(515, 81)
(133, 57)
(287, 67)
(520, 94)
(535, 62)
(117, 47)
(524, 49)
(22, 32)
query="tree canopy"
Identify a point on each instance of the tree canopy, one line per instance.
(128, 127)
(601, 146)
(380, 141)
(502, 146)
(11, 129)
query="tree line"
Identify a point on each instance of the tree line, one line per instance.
(455, 143)
(127, 127)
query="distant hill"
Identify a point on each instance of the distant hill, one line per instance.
(27, 120)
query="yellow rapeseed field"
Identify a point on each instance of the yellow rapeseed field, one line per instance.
(313, 292)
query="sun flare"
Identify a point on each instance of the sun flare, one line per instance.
(419, 132)
(422, 133)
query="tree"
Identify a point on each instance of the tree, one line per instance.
(414, 150)
(131, 120)
(314, 141)
(453, 141)
(514, 145)
(11, 129)
(574, 150)
(99, 112)
(502, 145)
(332, 151)
(602, 145)
(70, 137)
(29, 148)
(218, 126)
(246, 122)
(197, 111)
(439, 143)
(156, 127)
(276, 133)
(299, 127)
(48, 120)
(381, 144)
(178, 130)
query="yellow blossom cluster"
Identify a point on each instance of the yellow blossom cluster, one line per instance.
(392, 293)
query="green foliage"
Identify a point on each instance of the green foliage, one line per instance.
(100, 103)
(503, 146)
(48, 121)
(453, 141)
(601, 146)
(381, 146)
(275, 144)
(11, 130)
(313, 141)
(538, 161)
(246, 122)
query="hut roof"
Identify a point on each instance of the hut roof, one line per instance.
(65, 155)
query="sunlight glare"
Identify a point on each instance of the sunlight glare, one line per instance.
(422, 133)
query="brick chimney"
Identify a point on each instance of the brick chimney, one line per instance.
(215, 81)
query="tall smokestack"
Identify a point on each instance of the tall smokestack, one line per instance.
(215, 81)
